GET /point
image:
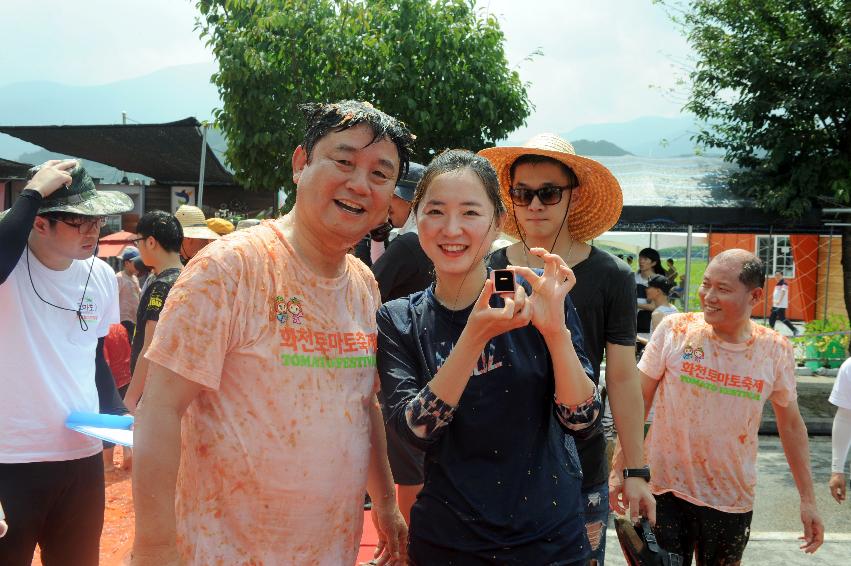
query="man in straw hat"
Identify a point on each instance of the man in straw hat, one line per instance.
(58, 302)
(558, 200)
(196, 233)
(267, 344)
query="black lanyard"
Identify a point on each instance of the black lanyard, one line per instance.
(79, 310)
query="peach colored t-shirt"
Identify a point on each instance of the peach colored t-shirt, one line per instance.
(703, 443)
(275, 448)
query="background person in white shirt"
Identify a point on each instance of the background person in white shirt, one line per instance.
(779, 304)
(129, 291)
(841, 437)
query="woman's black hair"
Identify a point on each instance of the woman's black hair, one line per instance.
(653, 255)
(456, 160)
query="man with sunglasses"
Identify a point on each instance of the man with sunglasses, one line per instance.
(558, 200)
(159, 239)
(57, 303)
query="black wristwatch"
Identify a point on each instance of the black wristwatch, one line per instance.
(643, 473)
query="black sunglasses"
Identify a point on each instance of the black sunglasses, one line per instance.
(548, 195)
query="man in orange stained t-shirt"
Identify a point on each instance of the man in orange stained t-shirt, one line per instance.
(259, 429)
(708, 375)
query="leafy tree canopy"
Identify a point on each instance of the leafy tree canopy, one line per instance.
(773, 80)
(434, 64)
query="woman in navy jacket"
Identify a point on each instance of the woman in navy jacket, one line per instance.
(492, 386)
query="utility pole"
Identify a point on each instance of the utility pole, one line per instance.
(203, 165)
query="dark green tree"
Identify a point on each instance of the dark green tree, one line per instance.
(434, 64)
(773, 81)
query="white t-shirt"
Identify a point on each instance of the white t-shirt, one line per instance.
(640, 280)
(840, 396)
(780, 297)
(47, 361)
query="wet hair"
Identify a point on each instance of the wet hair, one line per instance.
(653, 255)
(753, 273)
(164, 227)
(453, 160)
(326, 118)
(532, 159)
(660, 282)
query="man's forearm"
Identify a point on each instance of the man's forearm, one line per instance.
(379, 478)
(840, 440)
(624, 392)
(15, 228)
(156, 440)
(796, 446)
(137, 382)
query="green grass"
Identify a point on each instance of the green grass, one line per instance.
(698, 266)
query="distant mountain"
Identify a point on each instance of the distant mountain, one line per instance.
(598, 148)
(182, 91)
(648, 136)
(105, 173)
(163, 96)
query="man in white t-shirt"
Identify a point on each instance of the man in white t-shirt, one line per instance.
(57, 302)
(779, 304)
(841, 437)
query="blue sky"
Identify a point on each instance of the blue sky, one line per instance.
(606, 61)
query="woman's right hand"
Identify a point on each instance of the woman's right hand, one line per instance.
(485, 321)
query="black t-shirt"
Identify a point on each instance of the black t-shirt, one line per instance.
(150, 306)
(403, 268)
(503, 476)
(362, 250)
(604, 296)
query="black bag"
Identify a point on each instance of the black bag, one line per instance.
(640, 547)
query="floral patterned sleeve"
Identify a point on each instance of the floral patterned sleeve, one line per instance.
(580, 420)
(426, 413)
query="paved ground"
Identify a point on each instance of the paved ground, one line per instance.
(776, 525)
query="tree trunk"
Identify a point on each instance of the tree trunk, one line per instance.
(846, 271)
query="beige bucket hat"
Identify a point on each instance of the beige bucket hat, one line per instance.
(193, 223)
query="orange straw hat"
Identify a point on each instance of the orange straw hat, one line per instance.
(596, 202)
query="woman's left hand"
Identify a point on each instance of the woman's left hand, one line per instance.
(548, 291)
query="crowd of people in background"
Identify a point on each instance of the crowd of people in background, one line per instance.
(361, 342)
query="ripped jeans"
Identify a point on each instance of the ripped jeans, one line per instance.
(596, 498)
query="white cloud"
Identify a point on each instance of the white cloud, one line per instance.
(97, 41)
(599, 60)
(598, 64)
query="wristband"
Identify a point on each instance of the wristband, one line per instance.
(643, 473)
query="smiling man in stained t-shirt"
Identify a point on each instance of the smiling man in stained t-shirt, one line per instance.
(267, 344)
(708, 375)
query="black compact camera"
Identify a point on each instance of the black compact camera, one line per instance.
(503, 281)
